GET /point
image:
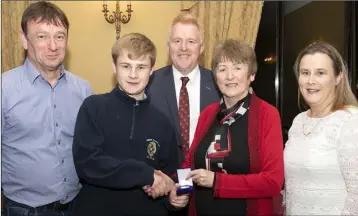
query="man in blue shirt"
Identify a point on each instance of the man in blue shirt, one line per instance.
(40, 102)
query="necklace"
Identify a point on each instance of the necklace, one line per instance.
(314, 127)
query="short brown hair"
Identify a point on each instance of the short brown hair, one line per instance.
(187, 18)
(343, 93)
(137, 45)
(235, 51)
(43, 11)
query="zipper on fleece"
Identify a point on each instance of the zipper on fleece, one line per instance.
(135, 107)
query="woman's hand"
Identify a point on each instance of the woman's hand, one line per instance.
(202, 177)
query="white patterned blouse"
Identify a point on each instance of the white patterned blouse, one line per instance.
(321, 165)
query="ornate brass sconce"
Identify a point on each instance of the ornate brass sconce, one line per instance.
(117, 16)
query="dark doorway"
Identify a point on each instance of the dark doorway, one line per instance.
(302, 26)
(285, 29)
(266, 53)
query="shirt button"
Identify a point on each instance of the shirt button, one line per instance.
(56, 124)
(59, 142)
(64, 179)
(54, 106)
(62, 161)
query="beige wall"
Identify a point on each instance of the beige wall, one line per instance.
(91, 37)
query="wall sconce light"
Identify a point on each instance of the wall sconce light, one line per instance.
(270, 60)
(117, 16)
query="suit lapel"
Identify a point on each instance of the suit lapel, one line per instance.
(170, 96)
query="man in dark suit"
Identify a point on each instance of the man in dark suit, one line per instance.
(182, 90)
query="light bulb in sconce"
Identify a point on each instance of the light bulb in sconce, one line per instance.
(270, 59)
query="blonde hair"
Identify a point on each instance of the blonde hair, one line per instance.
(234, 51)
(137, 45)
(187, 18)
(344, 96)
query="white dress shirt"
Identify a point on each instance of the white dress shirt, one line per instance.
(193, 87)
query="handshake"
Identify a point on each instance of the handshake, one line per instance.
(164, 185)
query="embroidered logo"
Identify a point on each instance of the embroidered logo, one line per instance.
(152, 148)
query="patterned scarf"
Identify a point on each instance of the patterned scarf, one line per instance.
(221, 146)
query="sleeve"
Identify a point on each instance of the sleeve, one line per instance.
(348, 161)
(3, 102)
(172, 160)
(89, 90)
(94, 166)
(2, 121)
(269, 181)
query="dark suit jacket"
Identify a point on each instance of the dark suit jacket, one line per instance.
(162, 92)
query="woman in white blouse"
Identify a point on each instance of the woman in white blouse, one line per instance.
(321, 154)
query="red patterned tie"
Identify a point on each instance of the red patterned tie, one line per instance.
(184, 115)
